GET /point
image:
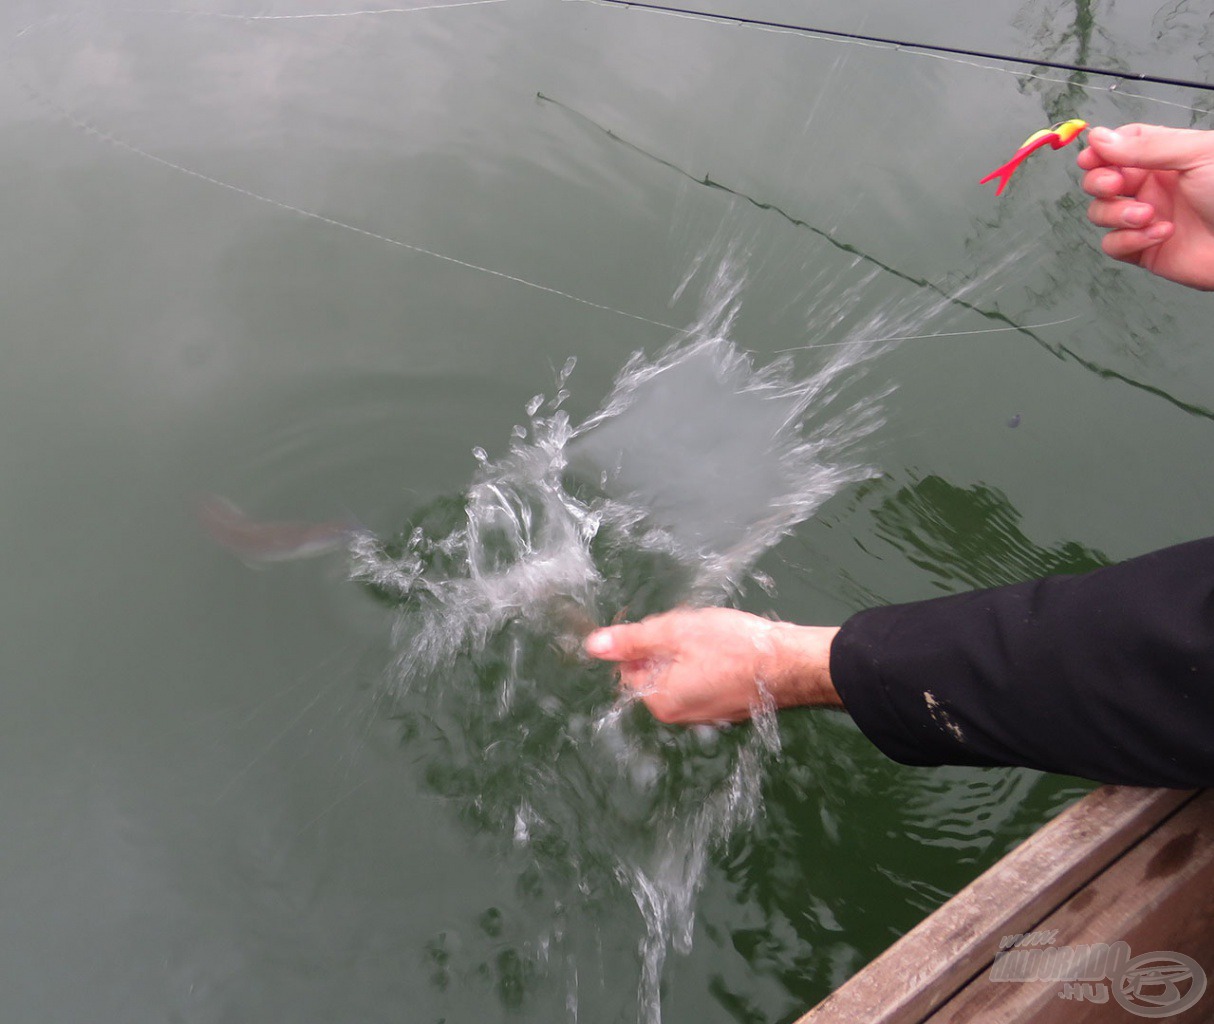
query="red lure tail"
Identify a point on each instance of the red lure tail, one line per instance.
(1057, 137)
(1004, 174)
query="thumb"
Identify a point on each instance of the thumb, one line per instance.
(635, 642)
(1153, 147)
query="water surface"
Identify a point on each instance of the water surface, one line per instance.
(310, 259)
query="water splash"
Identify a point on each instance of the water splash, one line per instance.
(666, 887)
(697, 463)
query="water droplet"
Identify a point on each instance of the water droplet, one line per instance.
(764, 583)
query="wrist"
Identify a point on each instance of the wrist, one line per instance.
(799, 672)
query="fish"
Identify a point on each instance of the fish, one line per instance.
(1061, 134)
(270, 541)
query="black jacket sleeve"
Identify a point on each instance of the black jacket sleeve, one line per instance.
(1107, 675)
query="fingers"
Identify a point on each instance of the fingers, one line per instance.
(1092, 156)
(1128, 245)
(1088, 159)
(644, 680)
(1120, 213)
(1149, 146)
(1105, 182)
(1114, 187)
(1119, 163)
(1133, 229)
(638, 641)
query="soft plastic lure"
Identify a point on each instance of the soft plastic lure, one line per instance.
(1060, 135)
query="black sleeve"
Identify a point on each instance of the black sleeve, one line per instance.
(1107, 675)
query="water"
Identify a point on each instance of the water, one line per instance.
(639, 508)
(312, 259)
(697, 463)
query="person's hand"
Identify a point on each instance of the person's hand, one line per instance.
(708, 665)
(1153, 187)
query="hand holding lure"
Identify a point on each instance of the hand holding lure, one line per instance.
(1060, 135)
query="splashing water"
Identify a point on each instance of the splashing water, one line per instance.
(696, 464)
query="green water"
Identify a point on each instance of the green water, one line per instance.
(241, 257)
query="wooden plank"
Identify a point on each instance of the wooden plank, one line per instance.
(1158, 897)
(929, 964)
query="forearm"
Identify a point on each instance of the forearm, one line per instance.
(1108, 675)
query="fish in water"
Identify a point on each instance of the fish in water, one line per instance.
(543, 589)
(271, 541)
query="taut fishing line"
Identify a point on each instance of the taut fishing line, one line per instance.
(90, 129)
(952, 54)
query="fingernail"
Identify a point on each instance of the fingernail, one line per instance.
(598, 643)
(1159, 231)
(1105, 136)
(1136, 216)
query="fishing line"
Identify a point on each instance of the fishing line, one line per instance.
(130, 147)
(1022, 328)
(90, 129)
(1056, 350)
(315, 17)
(114, 140)
(900, 44)
(1112, 89)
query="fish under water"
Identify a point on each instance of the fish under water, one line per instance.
(256, 541)
(697, 462)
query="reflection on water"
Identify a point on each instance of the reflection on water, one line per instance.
(966, 537)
